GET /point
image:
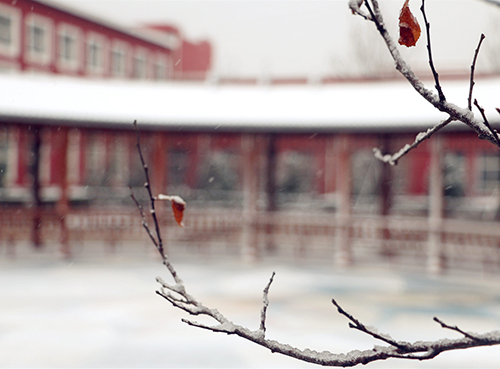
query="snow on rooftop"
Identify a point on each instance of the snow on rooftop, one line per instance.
(178, 105)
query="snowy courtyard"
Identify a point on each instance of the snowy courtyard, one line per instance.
(103, 312)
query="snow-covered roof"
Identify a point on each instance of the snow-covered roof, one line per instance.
(147, 36)
(204, 106)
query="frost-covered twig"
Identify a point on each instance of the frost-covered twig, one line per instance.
(455, 328)
(265, 304)
(176, 294)
(393, 159)
(356, 324)
(457, 113)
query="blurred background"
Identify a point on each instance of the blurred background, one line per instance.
(263, 116)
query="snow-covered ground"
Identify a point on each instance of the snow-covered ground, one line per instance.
(103, 312)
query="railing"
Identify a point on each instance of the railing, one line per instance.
(403, 241)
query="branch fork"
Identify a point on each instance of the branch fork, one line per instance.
(176, 293)
(455, 113)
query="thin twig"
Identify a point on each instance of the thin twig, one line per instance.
(455, 328)
(143, 216)
(356, 324)
(375, 19)
(422, 136)
(265, 304)
(147, 184)
(494, 133)
(355, 6)
(179, 298)
(429, 52)
(158, 241)
(472, 70)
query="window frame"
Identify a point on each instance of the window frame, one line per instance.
(140, 54)
(73, 64)
(160, 64)
(119, 47)
(94, 38)
(482, 168)
(14, 48)
(44, 54)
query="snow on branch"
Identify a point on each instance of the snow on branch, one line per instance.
(176, 294)
(455, 113)
(422, 136)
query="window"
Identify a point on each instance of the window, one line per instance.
(454, 174)
(365, 173)
(38, 39)
(5, 29)
(178, 161)
(68, 47)
(219, 172)
(117, 165)
(489, 172)
(95, 54)
(295, 172)
(95, 160)
(140, 65)
(160, 68)
(119, 60)
(9, 30)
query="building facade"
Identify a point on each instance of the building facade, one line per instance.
(36, 37)
(262, 167)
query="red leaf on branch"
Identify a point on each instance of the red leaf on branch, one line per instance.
(409, 29)
(178, 206)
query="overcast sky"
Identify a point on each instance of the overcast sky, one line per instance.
(307, 37)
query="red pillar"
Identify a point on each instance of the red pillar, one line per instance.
(385, 191)
(62, 207)
(36, 235)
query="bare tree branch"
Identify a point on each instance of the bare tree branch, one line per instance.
(492, 2)
(463, 115)
(177, 295)
(158, 241)
(265, 304)
(472, 69)
(429, 52)
(422, 136)
(487, 123)
(455, 328)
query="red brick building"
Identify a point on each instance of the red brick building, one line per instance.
(292, 162)
(40, 38)
(284, 168)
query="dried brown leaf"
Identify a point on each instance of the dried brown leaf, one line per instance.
(409, 29)
(178, 208)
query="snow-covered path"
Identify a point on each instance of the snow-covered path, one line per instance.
(105, 313)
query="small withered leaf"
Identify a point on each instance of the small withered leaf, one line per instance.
(409, 29)
(178, 209)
